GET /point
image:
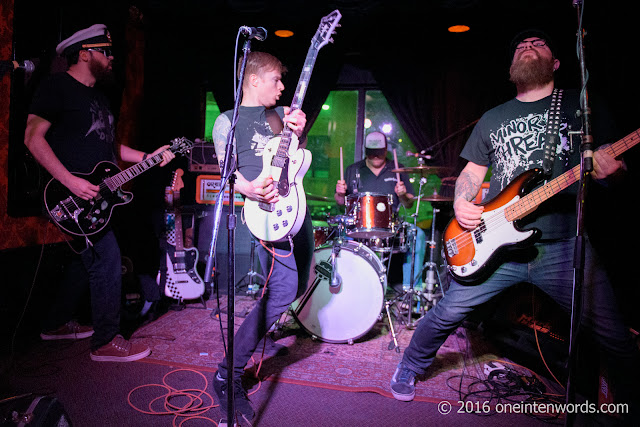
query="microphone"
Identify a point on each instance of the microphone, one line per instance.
(28, 66)
(419, 155)
(258, 33)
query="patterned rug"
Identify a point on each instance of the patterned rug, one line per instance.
(191, 338)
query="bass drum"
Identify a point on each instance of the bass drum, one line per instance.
(347, 312)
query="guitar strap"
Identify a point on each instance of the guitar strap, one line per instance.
(274, 121)
(553, 129)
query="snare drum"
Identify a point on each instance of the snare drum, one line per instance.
(373, 214)
(398, 243)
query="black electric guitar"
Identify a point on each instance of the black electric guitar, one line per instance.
(286, 163)
(471, 254)
(182, 280)
(86, 217)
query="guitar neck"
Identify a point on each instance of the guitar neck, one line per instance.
(532, 200)
(178, 230)
(119, 179)
(298, 98)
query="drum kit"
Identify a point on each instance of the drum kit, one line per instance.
(347, 290)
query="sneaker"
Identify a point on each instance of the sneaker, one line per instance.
(403, 383)
(69, 331)
(241, 401)
(120, 350)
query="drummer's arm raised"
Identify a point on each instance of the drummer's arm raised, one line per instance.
(341, 192)
(405, 198)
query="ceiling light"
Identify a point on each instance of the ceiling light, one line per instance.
(458, 29)
(283, 33)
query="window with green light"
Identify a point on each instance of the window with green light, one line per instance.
(336, 129)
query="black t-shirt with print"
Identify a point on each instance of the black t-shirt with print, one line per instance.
(510, 139)
(252, 133)
(383, 183)
(82, 125)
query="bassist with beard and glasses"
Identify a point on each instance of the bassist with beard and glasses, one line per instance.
(510, 138)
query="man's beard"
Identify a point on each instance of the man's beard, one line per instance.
(531, 73)
(100, 72)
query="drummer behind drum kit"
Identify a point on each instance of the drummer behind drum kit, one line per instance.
(345, 295)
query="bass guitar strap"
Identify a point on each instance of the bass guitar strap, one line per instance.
(553, 129)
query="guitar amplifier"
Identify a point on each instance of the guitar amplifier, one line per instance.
(202, 158)
(208, 188)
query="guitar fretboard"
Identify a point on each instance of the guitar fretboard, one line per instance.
(117, 180)
(529, 202)
(280, 157)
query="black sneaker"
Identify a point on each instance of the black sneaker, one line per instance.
(241, 401)
(403, 383)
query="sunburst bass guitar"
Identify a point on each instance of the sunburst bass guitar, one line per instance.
(286, 163)
(472, 254)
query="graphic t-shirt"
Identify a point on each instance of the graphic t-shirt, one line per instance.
(252, 133)
(510, 138)
(82, 131)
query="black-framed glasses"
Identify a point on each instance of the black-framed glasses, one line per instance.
(106, 51)
(534, 43)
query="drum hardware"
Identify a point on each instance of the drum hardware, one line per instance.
(411, 295)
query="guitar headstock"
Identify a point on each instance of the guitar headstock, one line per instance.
(326, 29)
(180, 145)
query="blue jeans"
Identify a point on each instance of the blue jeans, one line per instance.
(100, 268)
(549, 266)
(421, 247)
(287, 282)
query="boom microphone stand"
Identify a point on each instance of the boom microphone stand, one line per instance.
(229, 167)
(586, 166)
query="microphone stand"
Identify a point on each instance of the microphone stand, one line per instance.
(229, 167)
(586, 166)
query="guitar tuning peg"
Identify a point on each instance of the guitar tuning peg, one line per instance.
(331, 40)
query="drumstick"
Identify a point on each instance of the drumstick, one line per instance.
(395, 160)
(341, 166)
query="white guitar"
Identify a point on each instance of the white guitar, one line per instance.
(286, 163)
(182, 280)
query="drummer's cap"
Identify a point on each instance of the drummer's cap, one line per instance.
(95, 37)
(375, 143)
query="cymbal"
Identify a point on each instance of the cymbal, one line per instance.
(423, 170)
(316, 197)
(437, 198)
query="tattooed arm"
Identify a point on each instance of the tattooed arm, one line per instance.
(261, 190)
(467, 187)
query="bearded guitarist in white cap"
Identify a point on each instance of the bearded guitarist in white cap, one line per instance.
(70, 129)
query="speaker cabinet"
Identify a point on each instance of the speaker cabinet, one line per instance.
(243, 241)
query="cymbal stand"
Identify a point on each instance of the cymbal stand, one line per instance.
(431, 266)
(408, 296)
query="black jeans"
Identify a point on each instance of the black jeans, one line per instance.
(549, 266)
(288, 281)
(100, 268)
